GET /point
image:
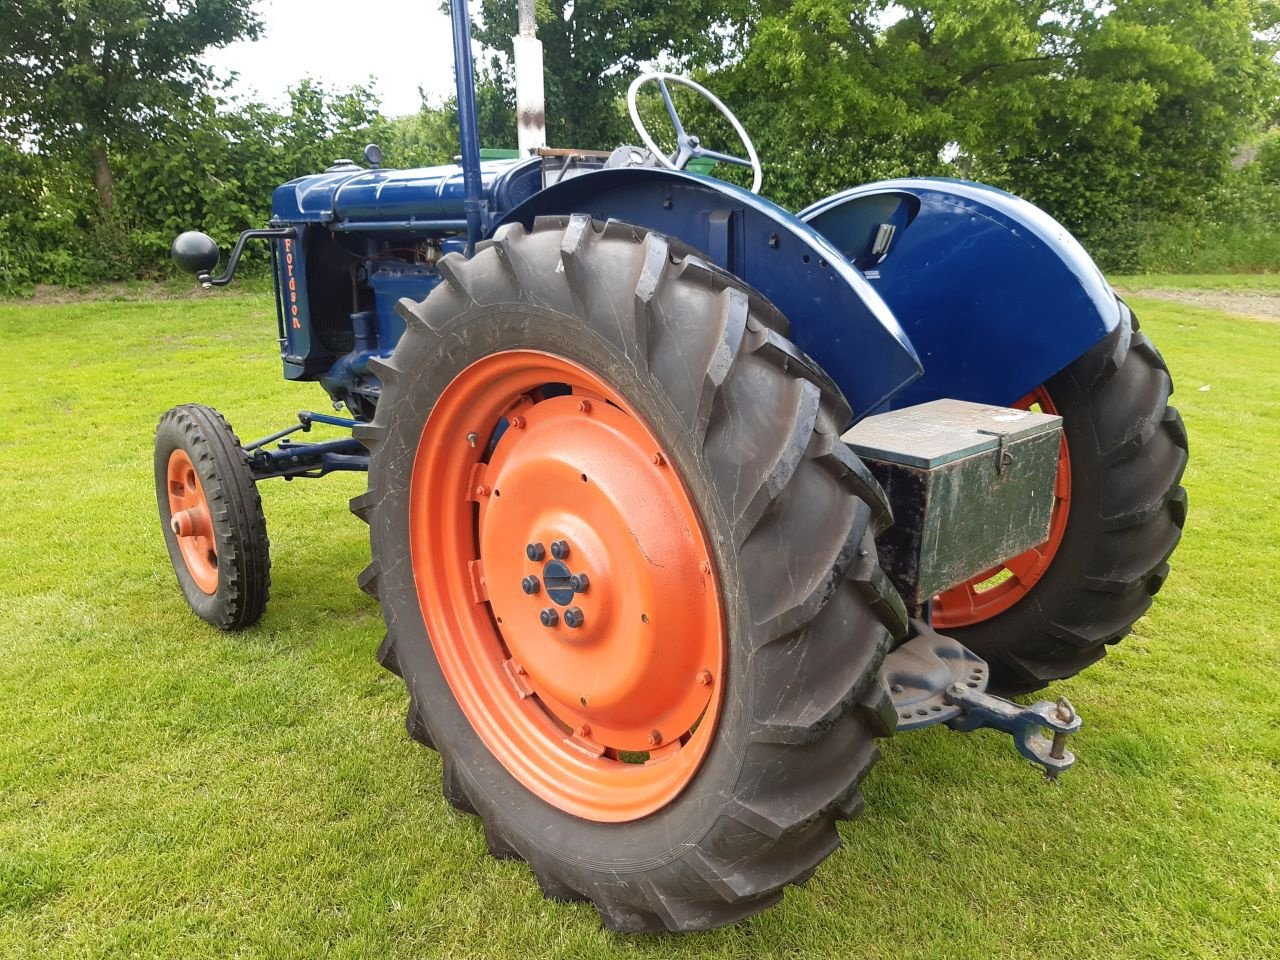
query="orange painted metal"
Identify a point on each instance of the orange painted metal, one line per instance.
(608, 720)
(994, 591)
(190, 521)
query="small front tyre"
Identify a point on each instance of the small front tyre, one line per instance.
(212, 517)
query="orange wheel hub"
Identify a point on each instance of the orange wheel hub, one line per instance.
(567, 585)
(994, 591)
(190, 521)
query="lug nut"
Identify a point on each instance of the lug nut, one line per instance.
(704, 678)
(655, 737)
(535, 552)
(516, 422)
(549, 617)
(580, 582)
(659, 459)
(584, 730)
(573, 617)
(560, 549)
(530, 585)
(584, 406)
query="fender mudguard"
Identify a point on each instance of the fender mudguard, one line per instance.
(835, 314)
(995, 294)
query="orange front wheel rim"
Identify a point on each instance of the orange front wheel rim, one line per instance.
(567, 585)
(190, 521)
(994, 591)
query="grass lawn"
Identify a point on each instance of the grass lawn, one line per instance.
(167, 791)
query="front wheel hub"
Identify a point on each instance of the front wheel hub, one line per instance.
(626, 621)
(190, 521)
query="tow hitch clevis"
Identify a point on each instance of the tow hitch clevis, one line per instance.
(934, 679)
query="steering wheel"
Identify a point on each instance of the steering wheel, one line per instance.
(689, 147)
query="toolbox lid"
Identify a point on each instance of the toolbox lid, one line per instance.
(941, 431)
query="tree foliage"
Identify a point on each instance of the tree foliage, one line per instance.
(1125, 120)
(84, 78)
(593, 48)
(1088, 109)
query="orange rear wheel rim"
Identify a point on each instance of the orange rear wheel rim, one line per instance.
(994, 591)
(190, 521)
(567, 585)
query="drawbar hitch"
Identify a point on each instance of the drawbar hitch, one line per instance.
(934, 679)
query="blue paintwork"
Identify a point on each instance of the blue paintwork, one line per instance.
(836, 316)
(995, 294)
(419, 198)
(292, 304)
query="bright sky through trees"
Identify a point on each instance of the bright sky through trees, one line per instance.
(402, 44)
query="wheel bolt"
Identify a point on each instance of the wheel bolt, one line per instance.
(704, 678)
(659, 459)
(704, 567)
(535, 552)
(559, 549)
(549, 617)
(573, 617)
(530, 585)
(584, 730)
(584, 406)
(655, 737)
(580, 582)
(482, 491)
(516, 422)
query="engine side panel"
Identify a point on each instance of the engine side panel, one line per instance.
(836, 317)
(996, 295)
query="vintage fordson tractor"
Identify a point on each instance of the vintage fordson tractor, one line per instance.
(679, 501)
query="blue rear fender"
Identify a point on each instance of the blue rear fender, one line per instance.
(835, 314)
(995, 294)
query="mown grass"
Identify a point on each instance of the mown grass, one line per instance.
(167, 791)
(1227, 282)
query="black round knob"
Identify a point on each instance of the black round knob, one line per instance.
(535, 552)
(560, 549)
(549, 617)
(573, 617)
(580, 582)
(530, 585)
(194, 252)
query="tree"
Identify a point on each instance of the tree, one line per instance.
(593, 48)
(84, 78)
(1090, 109)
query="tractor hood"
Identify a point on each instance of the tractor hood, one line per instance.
(349, 196)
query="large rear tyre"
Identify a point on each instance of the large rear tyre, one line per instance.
(212, 517)
(1118, 517)
(628, 573)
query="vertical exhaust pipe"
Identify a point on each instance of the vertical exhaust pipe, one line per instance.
(468, 126)
(531, 116)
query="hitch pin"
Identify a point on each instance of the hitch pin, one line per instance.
(1065, 714)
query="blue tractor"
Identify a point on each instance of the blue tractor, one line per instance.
(679, 501)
